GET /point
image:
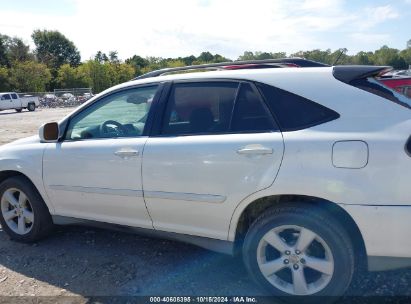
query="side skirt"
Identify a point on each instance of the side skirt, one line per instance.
(382, 263)
(220, 246)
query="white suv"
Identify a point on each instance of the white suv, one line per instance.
(304, 171)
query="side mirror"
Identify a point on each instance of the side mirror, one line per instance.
(49, 132)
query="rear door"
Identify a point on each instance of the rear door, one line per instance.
(16, 101)
(216, 144)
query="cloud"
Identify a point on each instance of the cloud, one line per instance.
(363, 30)
(370, 38)
(184, 27)
(376, 15)
(321, 5)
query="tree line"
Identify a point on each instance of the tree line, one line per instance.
(55, 63)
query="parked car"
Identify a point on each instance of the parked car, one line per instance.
(12, 100)
(68, 97)
(304, 171)
(85, 97)
(49, 100)
(88, 95)
(402, 73)
(49, 96)
(399, 84)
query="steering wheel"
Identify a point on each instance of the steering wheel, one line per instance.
(112, 127)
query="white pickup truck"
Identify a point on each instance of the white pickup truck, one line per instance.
(12, 100)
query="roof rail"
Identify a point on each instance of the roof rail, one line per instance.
(266, 63)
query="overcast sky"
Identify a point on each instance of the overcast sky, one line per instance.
(171, 28)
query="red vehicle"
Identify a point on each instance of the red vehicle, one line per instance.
(401, 84)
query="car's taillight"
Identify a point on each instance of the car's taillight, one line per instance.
(408, 146)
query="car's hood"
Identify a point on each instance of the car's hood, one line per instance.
(24, 141)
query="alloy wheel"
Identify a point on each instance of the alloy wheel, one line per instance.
(295, 260)
(17, 211)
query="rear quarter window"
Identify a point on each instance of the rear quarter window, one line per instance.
(294, 112)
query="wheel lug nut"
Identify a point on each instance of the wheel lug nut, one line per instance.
(302, 261)
(295, 267)
(287, 252)
(297, 252)
(286, 262)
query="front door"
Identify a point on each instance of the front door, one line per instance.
(95, 172)
(217, 145)
(6, 102)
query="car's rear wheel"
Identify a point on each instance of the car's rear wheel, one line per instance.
(299, 250)
(31, 107)
(23, 213)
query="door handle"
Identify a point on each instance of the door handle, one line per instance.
(126, 153)
(260, 150)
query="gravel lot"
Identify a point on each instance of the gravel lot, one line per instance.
(82, 262)
(18, 125)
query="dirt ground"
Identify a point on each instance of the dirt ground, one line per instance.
(81, 262)
(18, 125)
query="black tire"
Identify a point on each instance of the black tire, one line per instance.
(31, 107)
(18, 110)
(42, 224)
(319, 222)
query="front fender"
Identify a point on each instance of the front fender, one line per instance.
(27, 161)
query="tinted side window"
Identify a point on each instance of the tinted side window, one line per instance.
(294, 112)
(14, 96)
(250, 113)
(199, 108)
(5, 97)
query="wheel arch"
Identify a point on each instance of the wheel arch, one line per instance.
(255, 208)
(6, 174)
